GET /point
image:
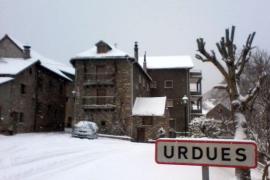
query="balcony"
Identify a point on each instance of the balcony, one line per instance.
(196, 108)
(92, 79)
(98, 102)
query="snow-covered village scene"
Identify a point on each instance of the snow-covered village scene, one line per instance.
(134, 90)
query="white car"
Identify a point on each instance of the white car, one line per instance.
(85, 129)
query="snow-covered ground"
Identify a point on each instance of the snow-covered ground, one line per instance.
(57, 156)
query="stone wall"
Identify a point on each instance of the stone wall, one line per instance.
(51, 100)
(9, 49)
(180, 88)
(19, 109)
(151, 131)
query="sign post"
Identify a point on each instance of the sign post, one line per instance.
(206, 152)
(205, 173)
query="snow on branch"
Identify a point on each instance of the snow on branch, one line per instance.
(254, 91)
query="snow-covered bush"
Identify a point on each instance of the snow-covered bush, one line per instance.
(204, 127)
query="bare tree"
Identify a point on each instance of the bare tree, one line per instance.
(231, 71)
(258, 114)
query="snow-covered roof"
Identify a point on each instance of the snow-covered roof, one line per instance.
(47, 63)
(5, 79)
(149, 106)
(167, 62)
(93, 53)
(13, 66)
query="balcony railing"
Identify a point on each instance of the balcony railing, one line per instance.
(99, 79)
(195, 92)
(196, 109)
(98, 102)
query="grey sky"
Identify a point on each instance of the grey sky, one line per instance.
(59, 29)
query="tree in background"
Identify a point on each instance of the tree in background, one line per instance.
(259, 112)
(231, 71)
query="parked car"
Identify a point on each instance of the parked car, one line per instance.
(85, 129)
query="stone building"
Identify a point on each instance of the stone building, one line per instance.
(219, 112)
(32, 89)
(171, 77)
(108, 81)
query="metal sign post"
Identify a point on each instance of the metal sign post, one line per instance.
(205, 173)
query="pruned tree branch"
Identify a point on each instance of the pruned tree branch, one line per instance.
(209, 58)
(254, 91)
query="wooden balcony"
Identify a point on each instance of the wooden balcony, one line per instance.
(98, 102)
(92, 79)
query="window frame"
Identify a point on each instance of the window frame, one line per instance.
(167, 81)
(168, 105)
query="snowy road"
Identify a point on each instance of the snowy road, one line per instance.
(57, 156)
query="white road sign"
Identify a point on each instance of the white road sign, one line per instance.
(202, 152)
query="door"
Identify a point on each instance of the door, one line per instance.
(140, 134)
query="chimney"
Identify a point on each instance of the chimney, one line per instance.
(136, 51)
(144, 61)
(26, 52)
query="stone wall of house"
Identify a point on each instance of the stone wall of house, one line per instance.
(51, 100)
(9, 49)
(180, 78)
(151, 131)
(69, 107)
(118, 93)
(141, 83)
(5, 105)
(19, 108)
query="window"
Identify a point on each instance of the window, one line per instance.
(153, 84)
(23, 89)
(69, 122)
(172, 123)
(30, 71)
(168, 84)
(147, 87)
(147, 120)
(143, 82)
(40, 83)
(169, 103)
(21, 119)
(140, 79)
(103, 123)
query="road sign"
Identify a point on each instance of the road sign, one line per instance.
(207, 152)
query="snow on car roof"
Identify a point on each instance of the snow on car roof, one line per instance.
(149, 106)
(167, 62)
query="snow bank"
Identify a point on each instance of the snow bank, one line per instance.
(54, 156)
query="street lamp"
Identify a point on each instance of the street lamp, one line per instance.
(185, 102)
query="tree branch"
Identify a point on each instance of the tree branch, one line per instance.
(209, 58)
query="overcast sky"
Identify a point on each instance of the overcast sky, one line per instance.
(60, 29)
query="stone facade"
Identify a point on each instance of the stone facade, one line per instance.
(179, 112)
(35, 99)
(219, 112)
(107, 85)
(9, 49)
(105, 93)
